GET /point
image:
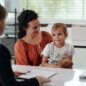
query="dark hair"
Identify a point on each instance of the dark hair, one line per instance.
(3, 12)
(23, 19)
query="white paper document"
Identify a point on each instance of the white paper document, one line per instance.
(36, 72)
(21, 68)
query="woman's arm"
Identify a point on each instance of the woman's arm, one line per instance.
(21, 54)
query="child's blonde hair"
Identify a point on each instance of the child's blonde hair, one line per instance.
(60, 25)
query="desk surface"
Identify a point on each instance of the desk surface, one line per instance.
(64, 77)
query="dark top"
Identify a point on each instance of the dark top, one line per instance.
(6, 73)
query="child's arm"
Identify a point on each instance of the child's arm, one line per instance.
(70, 57)
(46, 54)
(45, 62)
(58, 66)
(71, 49)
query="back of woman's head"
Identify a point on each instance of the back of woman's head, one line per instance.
(23, 19)
(3, 12)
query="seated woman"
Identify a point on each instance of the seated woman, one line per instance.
(31, 40)
(6, 73)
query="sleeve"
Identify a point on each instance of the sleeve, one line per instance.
(29, 82)
(46, 51)
(71, 50)
(20, 54)
(6, 73)
(49, 37)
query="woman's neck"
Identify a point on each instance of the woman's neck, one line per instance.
(30, 37)
(33, 39)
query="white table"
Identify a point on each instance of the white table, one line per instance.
(64, 77)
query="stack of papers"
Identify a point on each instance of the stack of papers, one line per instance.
(36, 72)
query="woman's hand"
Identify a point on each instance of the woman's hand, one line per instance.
(42, 79)
(16, 73)
(66, 62)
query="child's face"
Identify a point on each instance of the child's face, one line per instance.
(58, 36)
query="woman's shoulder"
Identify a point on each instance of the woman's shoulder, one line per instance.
(19, 43)
(4, 50)
(46, 36)
(2, 47)
(45, 33)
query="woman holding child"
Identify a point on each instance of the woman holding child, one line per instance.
(31, 40)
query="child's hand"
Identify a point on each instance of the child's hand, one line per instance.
(66, 62)
(58, 66)
(53, 65)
